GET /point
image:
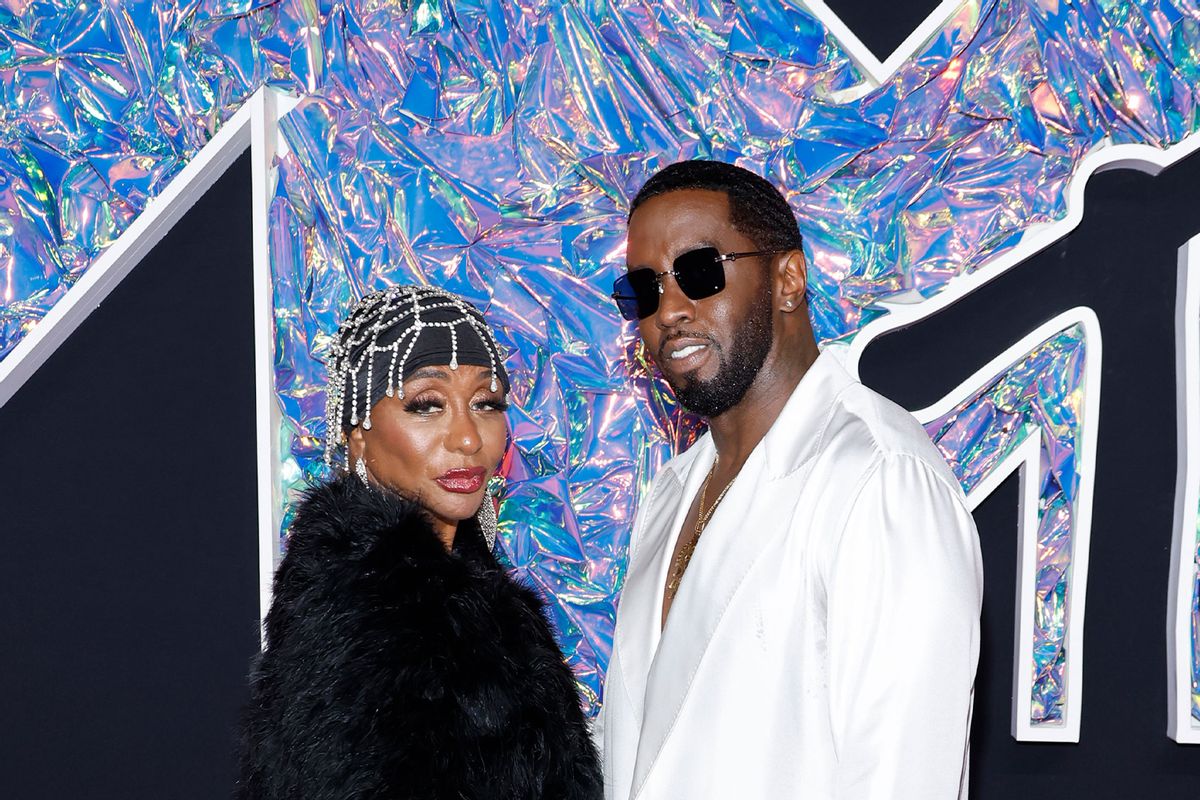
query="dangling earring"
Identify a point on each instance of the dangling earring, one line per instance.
(360, 469)
(488, 524)
(486, 515)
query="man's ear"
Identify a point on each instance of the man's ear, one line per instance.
(792, 279)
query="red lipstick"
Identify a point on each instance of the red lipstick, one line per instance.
(462, 481)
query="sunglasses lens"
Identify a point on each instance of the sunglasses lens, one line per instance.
(700, 273)
(636, 293)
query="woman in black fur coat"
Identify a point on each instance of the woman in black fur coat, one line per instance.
(401, 661)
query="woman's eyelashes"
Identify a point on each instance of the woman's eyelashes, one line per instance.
(492, 403)
(427, 404)
(424, 404)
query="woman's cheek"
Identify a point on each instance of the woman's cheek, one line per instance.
(497, 437)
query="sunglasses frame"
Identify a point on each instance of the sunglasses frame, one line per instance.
(719, 260)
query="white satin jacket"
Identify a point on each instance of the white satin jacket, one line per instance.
(823, 642)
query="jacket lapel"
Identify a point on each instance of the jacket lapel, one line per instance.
(640, 613)
(731, 542)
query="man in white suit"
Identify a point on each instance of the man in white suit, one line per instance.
(800, 617)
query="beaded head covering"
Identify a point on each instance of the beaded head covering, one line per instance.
(394, 330)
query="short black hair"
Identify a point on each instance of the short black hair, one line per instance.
(757, 209)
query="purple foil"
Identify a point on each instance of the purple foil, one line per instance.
(1196, 626)
(1043, 394)
(101, 104)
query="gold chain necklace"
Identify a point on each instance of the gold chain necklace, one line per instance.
(680, 564)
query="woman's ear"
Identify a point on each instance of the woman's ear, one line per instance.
(355, 445)
(792, 280)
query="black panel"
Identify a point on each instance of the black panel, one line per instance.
(129, 599)
(996, 518)
(1121, 261)
(882, 26)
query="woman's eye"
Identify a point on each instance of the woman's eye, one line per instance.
(492, 404)
(423, 405)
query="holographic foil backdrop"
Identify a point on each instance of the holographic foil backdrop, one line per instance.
(1196, 625)
(101, 103)
(492, 146)
(1041, 394)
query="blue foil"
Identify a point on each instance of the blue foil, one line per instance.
(492, 147)
(101, 104)
(1196, 626)
(1042, 394)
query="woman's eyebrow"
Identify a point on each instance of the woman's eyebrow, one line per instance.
(428, 372)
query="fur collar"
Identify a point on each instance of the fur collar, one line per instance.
(398, 669)
(346, 517)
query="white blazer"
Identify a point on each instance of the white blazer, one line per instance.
(824, 639)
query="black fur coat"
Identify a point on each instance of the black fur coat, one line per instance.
(395, 669)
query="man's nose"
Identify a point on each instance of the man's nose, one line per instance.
(674, 307)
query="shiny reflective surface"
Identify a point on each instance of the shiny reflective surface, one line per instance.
(1041, 394)
(101, 104)
(1196, 626)
(491, 148)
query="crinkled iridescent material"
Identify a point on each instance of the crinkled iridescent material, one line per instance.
(491, 147)
(1043, 394)
(101, 104)
(1196, 626)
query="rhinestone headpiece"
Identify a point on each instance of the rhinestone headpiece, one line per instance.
(353, 362)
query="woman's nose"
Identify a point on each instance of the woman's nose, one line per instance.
(463, 435)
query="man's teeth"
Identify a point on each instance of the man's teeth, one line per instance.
(687, 351)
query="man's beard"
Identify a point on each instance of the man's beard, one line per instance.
(737, 369)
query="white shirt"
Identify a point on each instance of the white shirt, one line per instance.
(824, 639)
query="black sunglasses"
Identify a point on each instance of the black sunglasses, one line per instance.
(700, 273)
